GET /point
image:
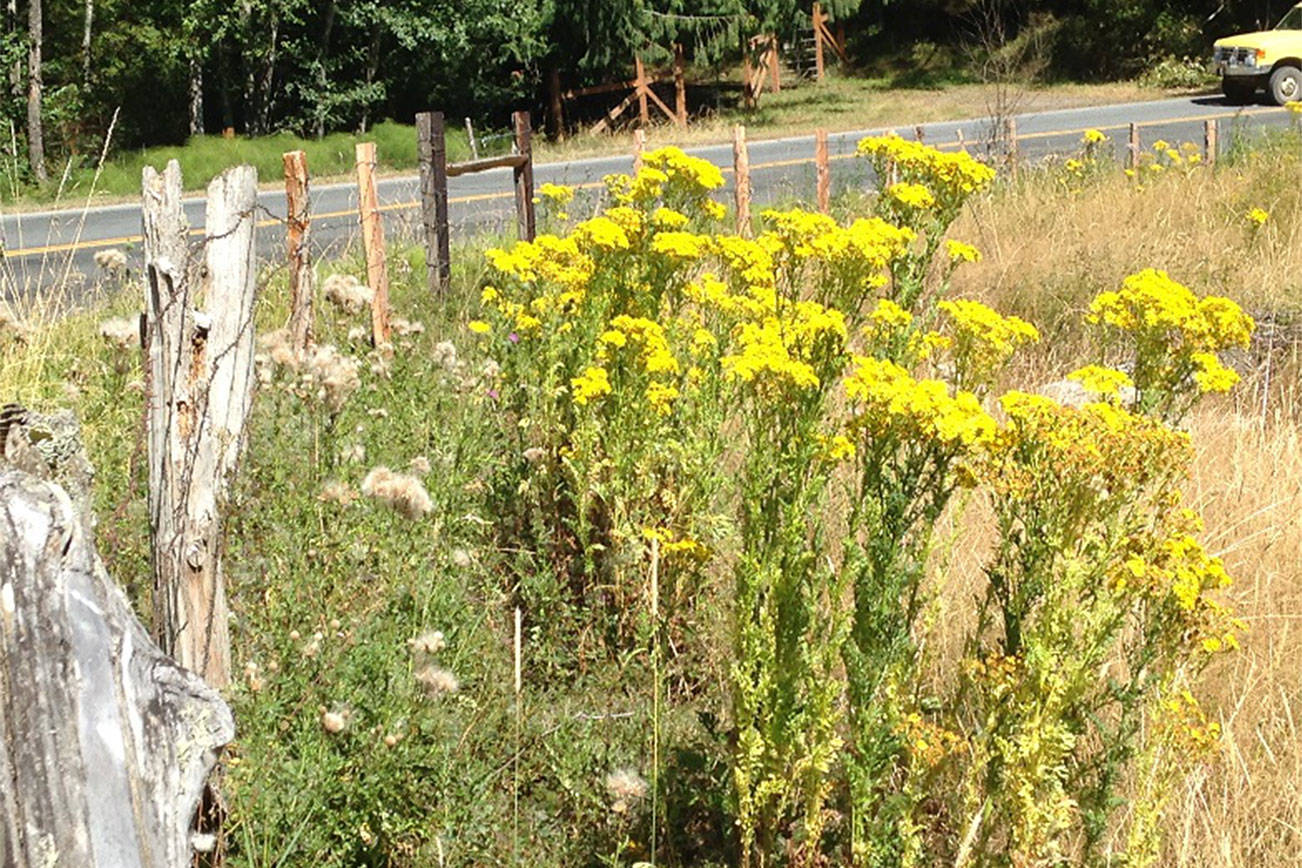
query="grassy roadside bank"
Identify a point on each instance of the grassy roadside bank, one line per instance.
(837, 104)
(335, 597)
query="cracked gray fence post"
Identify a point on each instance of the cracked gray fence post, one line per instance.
(200, 388)
(105, 743)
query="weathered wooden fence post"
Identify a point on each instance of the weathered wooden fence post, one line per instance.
(639, 145)
(643, 117)
(524, 175)
(433, 158)
(200, 389)
(680, 87)
(377, 270)
(1132, 150)
(823, 171)
(1209, 141)
(299, 259)
(741, 178)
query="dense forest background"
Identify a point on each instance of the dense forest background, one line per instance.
(173, 68)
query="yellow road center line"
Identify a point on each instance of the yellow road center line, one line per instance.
(485, 197)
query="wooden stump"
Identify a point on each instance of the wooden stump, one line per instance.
(105, 743)
(200, 375)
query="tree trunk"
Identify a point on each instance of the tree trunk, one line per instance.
(200, 389)
(35, 126)
(268, 77)
(322, 77)
(104, 742)
(372, 69)
(196, 95)
(88, 21)
(16, 69)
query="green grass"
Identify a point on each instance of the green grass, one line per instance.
(202, 158)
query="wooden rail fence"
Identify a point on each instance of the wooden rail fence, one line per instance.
(434, 173)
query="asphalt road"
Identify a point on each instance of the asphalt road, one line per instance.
(51, 248)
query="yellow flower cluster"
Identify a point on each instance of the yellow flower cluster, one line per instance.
(764, 358)
(681, 246)
(952, 177)
(779, 353)
(1099, 451)
(681, 168)
(1102, 381)
(1167, 319)
(867, 245)
(1257, 217)
(983, 338)
(548, 259)
(910, 197)
(889, 314)
(557, 194)
(1186, 724)
(593, 383)
(672, 177)
(959, 251)
(1152, 300)
(601, 233)
(889, 401)
(649, 337)
(673, 545)
(751, 261)
(1093, 137)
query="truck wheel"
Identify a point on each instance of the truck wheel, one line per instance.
(1236, 91)
(1286, 84)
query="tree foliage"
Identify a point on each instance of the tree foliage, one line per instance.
(315, 66)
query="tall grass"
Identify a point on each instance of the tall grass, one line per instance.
(1047, 253)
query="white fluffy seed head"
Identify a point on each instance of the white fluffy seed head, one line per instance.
(111, 260)
(626, 788)
(399, 491)
(347, 292)
(120, 332)
(429, 642)
(334, 722)
(437, 681)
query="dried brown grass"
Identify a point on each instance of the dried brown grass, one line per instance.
(1046, 255)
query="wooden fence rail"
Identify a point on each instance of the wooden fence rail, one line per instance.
(434, 173)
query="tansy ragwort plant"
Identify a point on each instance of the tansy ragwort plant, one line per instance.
(604, 380)
(797, 411)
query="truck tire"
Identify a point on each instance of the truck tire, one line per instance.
(1238, 91)
(1285, 84)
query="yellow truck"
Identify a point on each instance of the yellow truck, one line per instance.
(1270, 59)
